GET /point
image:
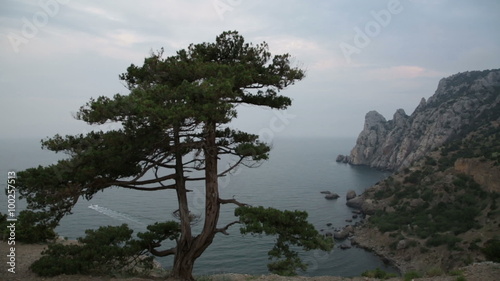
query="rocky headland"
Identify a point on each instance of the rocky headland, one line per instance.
(460, 103)
(438, 210)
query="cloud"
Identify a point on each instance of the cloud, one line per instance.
(402, 72)
(81, 49)
(96, 11)
(311, 54)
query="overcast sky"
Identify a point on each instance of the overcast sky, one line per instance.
(359, 55)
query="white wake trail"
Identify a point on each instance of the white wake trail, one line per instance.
(114, 214)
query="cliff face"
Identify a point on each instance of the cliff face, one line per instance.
(484, 173)
(460, 103)
(440, 204)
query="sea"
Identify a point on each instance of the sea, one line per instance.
(297, 171)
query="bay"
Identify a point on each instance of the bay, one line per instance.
(297, 171)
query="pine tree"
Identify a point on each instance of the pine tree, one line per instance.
(174, 127)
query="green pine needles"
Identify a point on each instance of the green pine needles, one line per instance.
(292, 231)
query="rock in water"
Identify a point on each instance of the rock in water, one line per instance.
(350, 195)
(356, 202)
(343, 158)
(332, 196)
(344, 247)
(344, 233)
(341, 235)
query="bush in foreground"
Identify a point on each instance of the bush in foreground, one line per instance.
(106, 250)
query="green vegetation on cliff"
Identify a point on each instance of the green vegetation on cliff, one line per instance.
(447, 202)
(423, 211)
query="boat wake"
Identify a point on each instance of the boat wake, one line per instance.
(115, 215)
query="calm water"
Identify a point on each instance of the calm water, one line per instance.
(297, 171)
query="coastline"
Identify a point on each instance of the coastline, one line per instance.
(407, 258)
(373, 241)
(27, 253)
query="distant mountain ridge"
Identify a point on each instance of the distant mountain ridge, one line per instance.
(461, 103)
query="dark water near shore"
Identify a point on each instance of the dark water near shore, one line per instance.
(297, 171)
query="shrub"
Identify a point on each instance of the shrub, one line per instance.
(430, 161)
(424, 250)
(60, 259)
(381, 194)
(412, 243)
(4, 233)
(378, 273)
(413, 177)
(435, 271)
(427, 195)
(494, 197)
(411, 275)
(456, 272)
(33, 227)
(394, 245)
(106, 250)
(390, 221)
(446, 239)
(492, 250)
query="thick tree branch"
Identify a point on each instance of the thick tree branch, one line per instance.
(224, 229)
(163, 253)
(144, 182)
(159, 163)
(232, 201)
(232, 167)
(171, 186)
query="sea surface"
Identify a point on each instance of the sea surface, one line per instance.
(297, 171)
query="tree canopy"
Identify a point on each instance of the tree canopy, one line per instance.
(173, 129)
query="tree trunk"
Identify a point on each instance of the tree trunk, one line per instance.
(190, 248)
(180, 182)
(212, 204)
(183, 263)
(184, 256)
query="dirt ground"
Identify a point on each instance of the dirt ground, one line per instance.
(26, 254)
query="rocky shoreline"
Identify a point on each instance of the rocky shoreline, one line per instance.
(365, 238)
(357, 232)
(407, 259)
(27, 253)
(360, 234)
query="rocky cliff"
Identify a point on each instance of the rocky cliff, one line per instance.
(440, 209)
(440, 212)
(461, 102)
